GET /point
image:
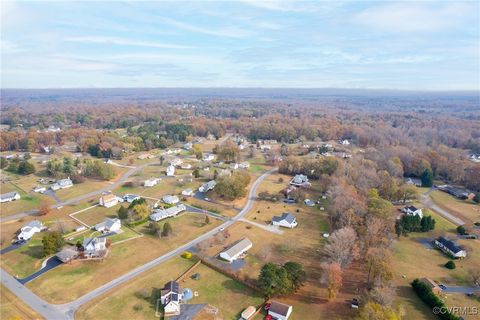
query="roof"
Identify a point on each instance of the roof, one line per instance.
(8, 195)
(170, 198)
(279, 308)
(452, 246)
(171, 287)
(238, 247)
(93, 241)
(34, 224)
(67, 254)
(108, 197)
(247, 313)
(107, 223)
(290, 218)
(429, 282)
(411, 208)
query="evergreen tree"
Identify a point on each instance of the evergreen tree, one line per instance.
(427, 178)
(167, 230)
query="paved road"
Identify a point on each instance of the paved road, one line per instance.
(67, 311)
(461, 289)
(85, 196)
(428, 202)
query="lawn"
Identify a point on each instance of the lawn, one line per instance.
(413, 260)
(81, 189)
(11, 307)
(68, 282)
(97, 214)
(463, 208)
(25, 260)
(28, 201)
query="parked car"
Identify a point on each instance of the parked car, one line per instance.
(267, 306)
(354, 303)
(289, 201)
(20, 241)
(442, 286)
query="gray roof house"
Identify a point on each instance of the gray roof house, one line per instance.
(10, 196)
(286, 220)
(171, 297)
(236, 250)
(450, 247)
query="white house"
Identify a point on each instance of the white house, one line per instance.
(235, 251)
(62, 184)
(280, 311)
(176, 162)
(109, 225)
(108, 200)
(187, 192)
(300, 180)
(28, 230)
(10, 196)
(286, 220)
(160, 214)
(244, 165)
(186, 166)
(151, 182)
(207, 186)
(130, 197)
(265, 147)
(450, 247)
(171, 296)
(413, 211)
(169, 199)
(234, 166)
(188, 146)
(170, 171)
(39, 189)
(345, 142)
(208, 157)
(94, 246)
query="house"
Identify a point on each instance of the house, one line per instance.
(345, 142)
(145, 156)
(169, 199)
(412, 211)
(94, 247)
(130, 198)
(151, 182)
(309, 202)
(109, 225)
(234, 166)
(10, 196)
(236, 250)
(186, 166)
(176, 162)
(188, 146)
(28, 230)
(208, 157)
(449, 247)
(170, 172)
(300, 180)
(171, 296)
(187, 192)
(160, 214)
(432, 285)
(280, 311)
(413, 182)
(244, 165)
(62, 184)
(108, 200)
(265, 147)
(207, 186)
(286, 220)
(67, 254)
(456, 192)
(248, 313)
(39, 189)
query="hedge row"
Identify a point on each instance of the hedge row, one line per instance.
(431, 299)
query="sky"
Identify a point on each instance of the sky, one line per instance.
(407, 45)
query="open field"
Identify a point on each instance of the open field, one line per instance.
(70, 281)
(464, 209)
(28, 200)
(25, 260)
(413, 260)
(81, 188)
(13, 308)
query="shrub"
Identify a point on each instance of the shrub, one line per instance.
(187, 255)
(426, 294)
(461, 230)
(450, 265)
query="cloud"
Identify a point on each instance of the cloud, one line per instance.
(231, 32)
(125, 42)
(414, 17)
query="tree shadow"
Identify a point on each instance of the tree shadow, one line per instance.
(35, 252)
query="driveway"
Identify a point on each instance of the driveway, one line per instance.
(11, 247)
(461, 289)
(51, 263)
(428, 202)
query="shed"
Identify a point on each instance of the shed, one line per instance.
(248, 313)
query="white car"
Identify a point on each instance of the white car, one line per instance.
(206, 199)
(221, 229)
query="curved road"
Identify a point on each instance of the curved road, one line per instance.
(428, 202)
(67, 311)
(85, 196)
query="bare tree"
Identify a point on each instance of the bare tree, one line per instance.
(342, 247)
(332, 276)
